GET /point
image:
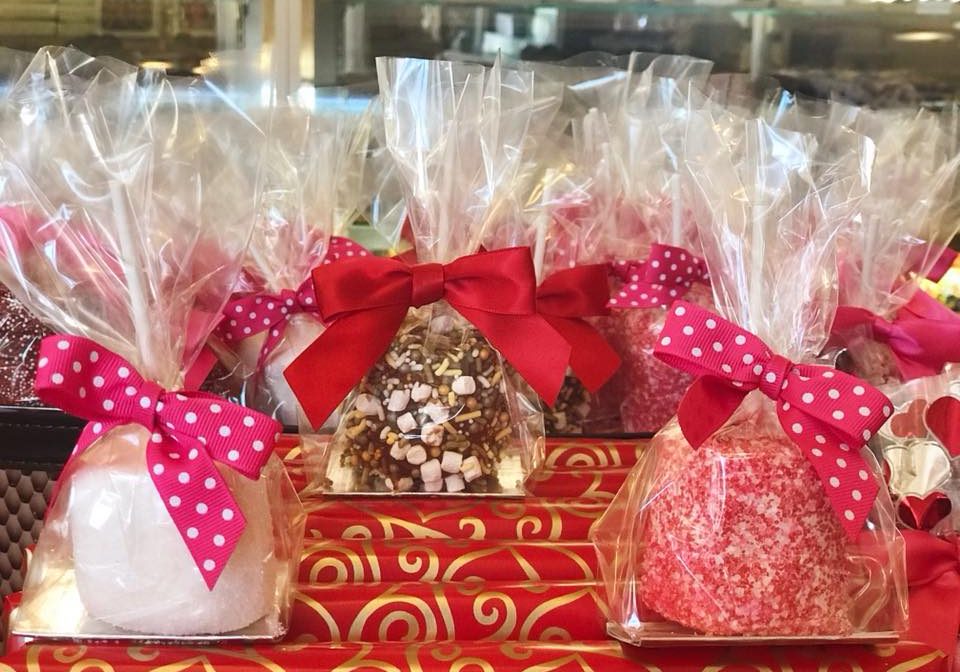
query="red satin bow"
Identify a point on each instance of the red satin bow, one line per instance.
(564, 299)
(666, 275)
(188, 431)
(829, 415)
(924, 335)
(364, 302)
(933, 575)
(265, 311)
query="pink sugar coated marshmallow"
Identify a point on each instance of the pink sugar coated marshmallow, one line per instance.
(744, 541)
(652, 389)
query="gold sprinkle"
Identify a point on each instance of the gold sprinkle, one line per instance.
(391, 439)
(453, 372)
(451, 398)
(503, 433)
(467, 416)
(354, 431)
(444, 365)
(450, 429)
(496, 377)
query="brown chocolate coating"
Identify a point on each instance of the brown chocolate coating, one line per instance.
(430, 404)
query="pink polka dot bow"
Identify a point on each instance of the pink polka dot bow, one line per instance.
(269, 312)
(829, 415)
(188, 431)
(664, 277)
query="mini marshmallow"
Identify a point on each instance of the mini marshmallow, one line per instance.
(471, 468)
(421, 392)
(454, 483)
(387, 482)
(398, 400)
(406, 422)
(430, 471)
(451, 462)
(416, 455)
(398, 452)
(436, 412)
(369, 405)
(464, 385)
(432, 486)
(405, 484)
(432, 434)
(441, 324)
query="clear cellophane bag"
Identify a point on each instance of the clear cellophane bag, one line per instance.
(735, 541)
(311, 182)
(441, 412)
(641, 146)
(132, 218)
(908, 220)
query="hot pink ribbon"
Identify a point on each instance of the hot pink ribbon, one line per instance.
(829, 415)
(924, 335)
(188, 430)
(665, 276)
(265, 311)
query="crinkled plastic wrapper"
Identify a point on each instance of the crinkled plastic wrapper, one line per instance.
(111, 564)
(439, 413)
(736, 541)
(918, 448)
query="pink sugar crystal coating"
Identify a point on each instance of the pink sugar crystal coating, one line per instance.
(743, 541)
(652, 390)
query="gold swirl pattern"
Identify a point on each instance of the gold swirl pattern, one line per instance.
(491, 617)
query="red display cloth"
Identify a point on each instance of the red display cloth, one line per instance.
(466, 612)
(376, 560)
(605, 656)
(528, 518)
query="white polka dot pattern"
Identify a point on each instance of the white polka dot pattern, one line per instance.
(665, 276)
(823, 411)
(179, 462)
(265, 312)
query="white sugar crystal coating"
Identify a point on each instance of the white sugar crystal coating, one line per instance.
(398, 452)
(432, 434)
(451, 462)
(132, 568)
(398, 400)
(406, 422)
(416, 455)
(369, 405)
(471, 468)
(454, 483)
(436, 412)
(430, 471)
(464, 385)
(272, 395)
(421, 392)
(433, 486)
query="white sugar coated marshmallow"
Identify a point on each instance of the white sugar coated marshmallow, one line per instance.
(451, 462)
(464, 385)
(432, 486)
(133, 570)
(430, 471)
(454, 483)
(272, 394)
(471, 468)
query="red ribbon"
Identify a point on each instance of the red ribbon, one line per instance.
(266, 311)
(924, 335)
(364, 302)
(188, 431)
(829, 415)
(665, 276)
(564, 299)
(933, 575)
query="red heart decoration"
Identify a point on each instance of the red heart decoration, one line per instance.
(923, 513)
(943, 419)
(909, 423)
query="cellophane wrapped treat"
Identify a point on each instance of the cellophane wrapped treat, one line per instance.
(311, 182)
(919, 449)
(649, 239)
(907, 221)
(758, 514)
(439, 410)
(173, 518)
